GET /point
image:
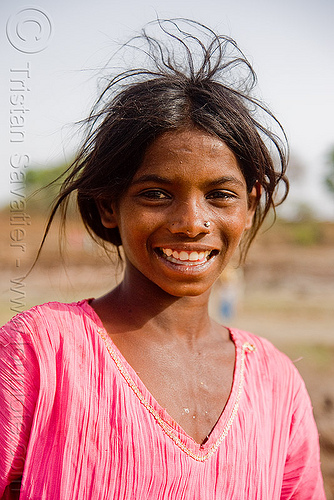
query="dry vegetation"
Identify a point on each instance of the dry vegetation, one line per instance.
(287, 296)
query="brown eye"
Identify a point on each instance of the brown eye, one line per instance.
(155, 194)
(221, 195)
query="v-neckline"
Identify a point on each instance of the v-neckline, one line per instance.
(184, 441)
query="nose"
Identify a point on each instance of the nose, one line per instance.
(189, 218)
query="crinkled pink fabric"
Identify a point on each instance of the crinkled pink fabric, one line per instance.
(76, 422)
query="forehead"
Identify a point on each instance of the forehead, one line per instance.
(191, 152)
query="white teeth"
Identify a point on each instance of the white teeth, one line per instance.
(174, 255)
(183, 256)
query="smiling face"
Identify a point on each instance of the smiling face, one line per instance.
(184, 213)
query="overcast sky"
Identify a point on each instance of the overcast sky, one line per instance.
(63, 43)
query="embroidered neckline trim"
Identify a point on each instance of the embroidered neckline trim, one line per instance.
(165, 427)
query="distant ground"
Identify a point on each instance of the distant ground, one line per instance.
(285, 293)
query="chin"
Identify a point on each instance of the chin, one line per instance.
(189, 290)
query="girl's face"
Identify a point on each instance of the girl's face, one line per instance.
(184, 213)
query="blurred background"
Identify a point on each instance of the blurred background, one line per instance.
(52, 57)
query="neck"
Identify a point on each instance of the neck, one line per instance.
(143, 305)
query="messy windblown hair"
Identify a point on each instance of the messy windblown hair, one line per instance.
(193, 78)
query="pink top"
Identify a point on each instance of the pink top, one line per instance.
(77, 422)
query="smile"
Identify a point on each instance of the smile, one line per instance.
(187, 258)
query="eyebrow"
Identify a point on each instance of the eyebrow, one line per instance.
(225, 180)
(152, 178)
(163, 180)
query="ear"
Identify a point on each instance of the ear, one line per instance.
(253, 201)
(107, 213)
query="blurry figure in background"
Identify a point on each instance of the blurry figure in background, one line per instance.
(227, 294)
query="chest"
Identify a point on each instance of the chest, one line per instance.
(193, 386)
(126, 452)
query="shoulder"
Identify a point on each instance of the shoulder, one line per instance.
(47, 322)
(47, 313)
(270, 366)
(266, 352)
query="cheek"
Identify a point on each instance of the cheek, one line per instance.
(138, 219)
(131, 234)
(235, 222)
(135, 230)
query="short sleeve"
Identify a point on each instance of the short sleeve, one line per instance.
(302, 475)
(19, 384)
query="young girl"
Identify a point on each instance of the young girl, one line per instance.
(139, 394)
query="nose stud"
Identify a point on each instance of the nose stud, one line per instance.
(207, 223)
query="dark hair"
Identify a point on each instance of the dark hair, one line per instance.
(176, 89)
